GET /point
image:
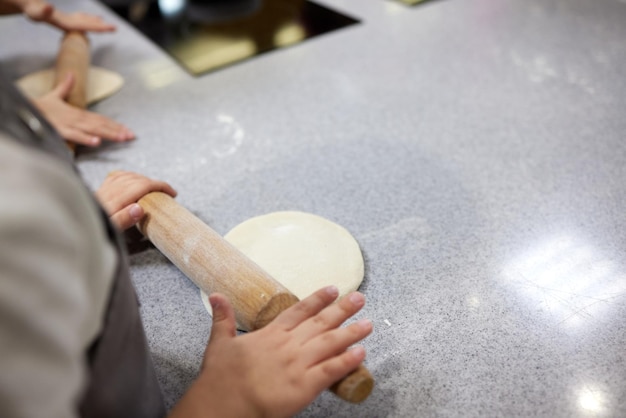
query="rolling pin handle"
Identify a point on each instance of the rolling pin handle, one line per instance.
(355, 387)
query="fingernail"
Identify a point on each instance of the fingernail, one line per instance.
(94, 140)
(135, 211)
(214, 303)
(358, 352)
(357, 299)
(332, 291)
(124, 130)
(365, 324)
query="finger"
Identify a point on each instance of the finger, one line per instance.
(47, 11)
(103, 127)
(107, 128)
(139, 189)
(336, 341)
(223, 318)
(63, 89)
(80, 22)
(128, 216)
(79, 137)
(167, 189)
(332, 370)
(94, 23)
(102, 26)
(331, 317)
(115, 132)
(143, 188)
(39, 11)
(306, 308)
(125, 134)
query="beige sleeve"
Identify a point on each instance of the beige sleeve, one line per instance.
(56, 267)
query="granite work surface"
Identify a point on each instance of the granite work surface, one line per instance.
(476, 149)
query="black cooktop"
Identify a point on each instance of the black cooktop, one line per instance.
(205, 35)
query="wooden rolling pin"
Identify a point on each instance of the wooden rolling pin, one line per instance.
(215, 265)
(74, 57)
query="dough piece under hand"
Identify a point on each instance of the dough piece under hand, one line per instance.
(303, 252)
(101, 83)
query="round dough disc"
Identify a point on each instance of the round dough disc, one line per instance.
(303, 252)
(101, 83)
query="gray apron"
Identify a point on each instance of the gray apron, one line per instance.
(121, 381)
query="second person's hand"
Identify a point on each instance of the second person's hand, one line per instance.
(42, 11)
(78, 125)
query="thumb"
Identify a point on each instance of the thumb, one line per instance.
(63, 89)
(38, 11)
(127, 217)
(223, 318)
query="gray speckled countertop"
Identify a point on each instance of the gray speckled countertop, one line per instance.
(476, 149)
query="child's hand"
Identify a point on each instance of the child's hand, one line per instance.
(281, 368)
(120, 192)
(78, 125)
(42, 11)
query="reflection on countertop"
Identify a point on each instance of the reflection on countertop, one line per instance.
(569, 281)
(203, 38)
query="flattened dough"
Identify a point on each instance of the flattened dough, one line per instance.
(304, 252)
(101, 83)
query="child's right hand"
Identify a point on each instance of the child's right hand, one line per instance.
(280, 369)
